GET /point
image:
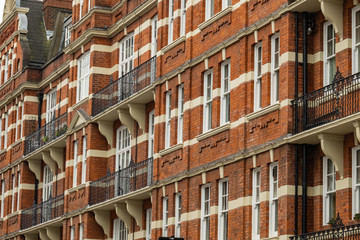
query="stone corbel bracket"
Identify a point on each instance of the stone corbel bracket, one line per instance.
(137, 112)
(106, 129)
(332, 146)
(134, 208)
(102, 217)
(57, 154)
(126, 119)
(122, 213)
(35, 167)
(333, 12)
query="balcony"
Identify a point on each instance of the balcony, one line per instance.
(43, 212)
(46, 134)
(336, 101)
(124, 181)
(134, 81)
(338, 231)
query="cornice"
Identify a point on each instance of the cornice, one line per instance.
(111, 31)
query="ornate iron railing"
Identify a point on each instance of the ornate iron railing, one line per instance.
(338, 232)
(46, 134)
(335, 101)
(126, 180)
(43, 212)
(130, 83)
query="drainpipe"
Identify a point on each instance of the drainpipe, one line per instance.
(296, 119)
(304, 175)
(40, 97)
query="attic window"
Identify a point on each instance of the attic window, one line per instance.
(67, 35)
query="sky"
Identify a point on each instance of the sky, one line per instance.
(2, 2)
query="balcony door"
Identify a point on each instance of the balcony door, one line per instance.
(50, 113)
(126, 64)
(123, 157)
(47, 194)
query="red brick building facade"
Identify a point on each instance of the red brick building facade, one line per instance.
(198, 119)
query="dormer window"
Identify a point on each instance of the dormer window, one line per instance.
(67, 32)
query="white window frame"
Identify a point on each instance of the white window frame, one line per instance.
(275, 66)
(225, 92)
(208, 88)
(154, 35)
(355, 180)
(1, 65)
(165, 216)
(120, 231)
(16, 123)
(1, 133)
(89, 5)
(148, 223)
(273, 203)
(22, 121)
(81, 231)
(76, 147)
(180, 113)
(72, 232)
(209, 9)
(123, 148)
(178, 203)
(171, 22)
(13, 193)
(84, 157)
(6, 73)
(6, 130)
(81, 8)
(18, 192)
(256, 204)
(47, 183)
(2, 198)
(183, 18)
(83, 77)
(51, 105)
(328, 58)
(327, 193)
(167, 118)
(223, 209)
(151, 134)
(126, 54)
(205, 212)
(355, 45)
(225, 4)
(67, 37)
(257, 76)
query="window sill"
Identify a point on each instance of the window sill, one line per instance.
(170, 149)
(16, 143)
(263, 111)
(173, 44)
(78, 187)
(213, 132)
(79, 103)
(16, 213)
(214, 18)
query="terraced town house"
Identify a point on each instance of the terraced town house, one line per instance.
(200, 119)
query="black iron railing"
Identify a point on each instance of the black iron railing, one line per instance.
(130, 83)
(126, 180)
(46, 134)
(335, 101)
(43, 212)
(337, 232)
